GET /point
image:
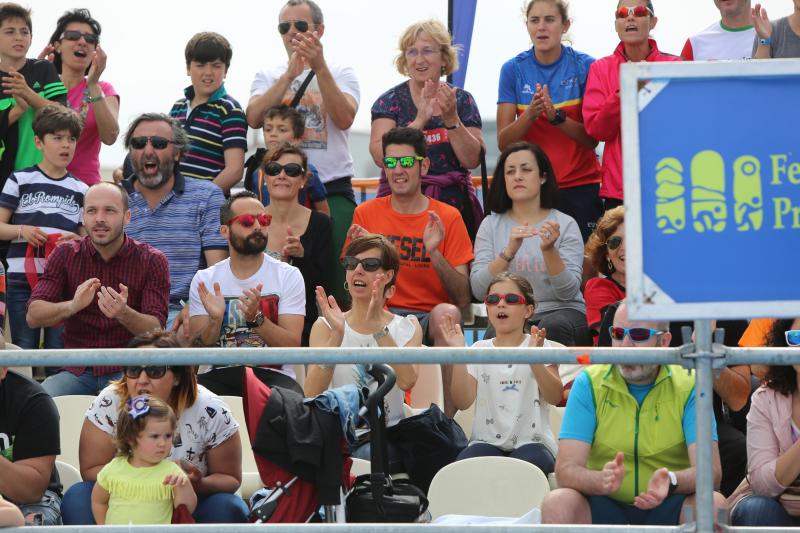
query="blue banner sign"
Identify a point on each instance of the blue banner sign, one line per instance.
(719, 197)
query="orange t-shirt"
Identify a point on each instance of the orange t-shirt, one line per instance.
(418, 286)
(756, 333)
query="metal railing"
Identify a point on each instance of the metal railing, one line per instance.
(703, 356)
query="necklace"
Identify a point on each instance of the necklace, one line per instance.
(83, 108)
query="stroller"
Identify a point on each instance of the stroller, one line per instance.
(297, 492)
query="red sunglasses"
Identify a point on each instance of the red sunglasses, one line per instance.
(638, 12)
(248, 220)
(511, 298)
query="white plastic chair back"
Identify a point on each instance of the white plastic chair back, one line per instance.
(68, 474)
(72, 412)
(251, 481)
(465, 418)
(487, 486)
(21, 370)
(556, 416)
(428, 388)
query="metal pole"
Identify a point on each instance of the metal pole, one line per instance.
(704, 412)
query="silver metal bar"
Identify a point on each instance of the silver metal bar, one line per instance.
(259, 356)
(764, 356)
(345, 528)
(704, 411)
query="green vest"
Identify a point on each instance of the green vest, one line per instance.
(651, 435)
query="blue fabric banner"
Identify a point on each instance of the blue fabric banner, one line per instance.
(463, 17)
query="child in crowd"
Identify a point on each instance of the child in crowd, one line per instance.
(511, 410)
(214, 120)
(27, 85)
(40, 207)
(10, 515)
(284, 124)
(141, 485)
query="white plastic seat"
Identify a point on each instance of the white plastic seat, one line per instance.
(556, 416)
(487, 486)
(465, 418)
(71, 411)
(68, 474)
(360, 466)
(251, 481)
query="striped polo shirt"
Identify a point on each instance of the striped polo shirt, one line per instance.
(213, 127)
(54, 205)
(183, 225)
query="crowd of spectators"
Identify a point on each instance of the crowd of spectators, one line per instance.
(169, 254)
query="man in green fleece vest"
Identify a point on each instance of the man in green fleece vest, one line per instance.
(627, 443)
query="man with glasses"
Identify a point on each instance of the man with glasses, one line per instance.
(247, 300)
(169, 211)
(627, 449)
(729, 38)
(435, 249)
(106, 288)
(328, 102)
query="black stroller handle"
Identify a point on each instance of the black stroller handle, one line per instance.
(386, 378)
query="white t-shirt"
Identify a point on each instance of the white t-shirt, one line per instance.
(508, 411)
(283, 293)
(401, 328)
(206, 424)
(325, 144)
(719, 43)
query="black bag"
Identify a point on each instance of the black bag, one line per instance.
(429, 441)
(379, 498)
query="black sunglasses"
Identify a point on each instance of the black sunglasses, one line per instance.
(291, 169)
(299, 25)
(370, 264)
(153, 372)
(614, 242)
(159, 143)
(75, 35)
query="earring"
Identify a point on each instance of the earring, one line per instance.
(542, 182)
(611, 268)
(346, 286)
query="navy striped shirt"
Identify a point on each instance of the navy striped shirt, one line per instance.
(183, 225)
(50, 204)
(213, 127)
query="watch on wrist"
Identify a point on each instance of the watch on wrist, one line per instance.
(93, 99)
(673, 482)
(507, 258)
(453, 127)
(559, 118)
(765, 42)
(381, 333)
(257, 320)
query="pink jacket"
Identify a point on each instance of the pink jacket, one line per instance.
(601, 114)
(769, 435)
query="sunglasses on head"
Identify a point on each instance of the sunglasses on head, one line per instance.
(74, 35)
(638, 12)
(248, 220)
(158, 142)
(636, 334)
(614, 242)
(299, 25)
(291, 169)
(153, 372)
(405, 161)
(792, 337)
(370, 264)
(511, 298)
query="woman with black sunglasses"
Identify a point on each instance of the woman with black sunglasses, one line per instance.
(206, 445)
(297, 235)
(371, 263)
(527, 235)
(75, 50)
(770, 494)
(605, 250)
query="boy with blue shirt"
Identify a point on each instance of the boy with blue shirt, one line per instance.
(40, 207)
(284, 125)
(214, 120)
(627, 450)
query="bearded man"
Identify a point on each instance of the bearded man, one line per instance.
(247, 300)
(170, 212)
(627, 451)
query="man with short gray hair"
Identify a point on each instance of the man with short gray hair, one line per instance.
(171, 212)
(627, 451)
